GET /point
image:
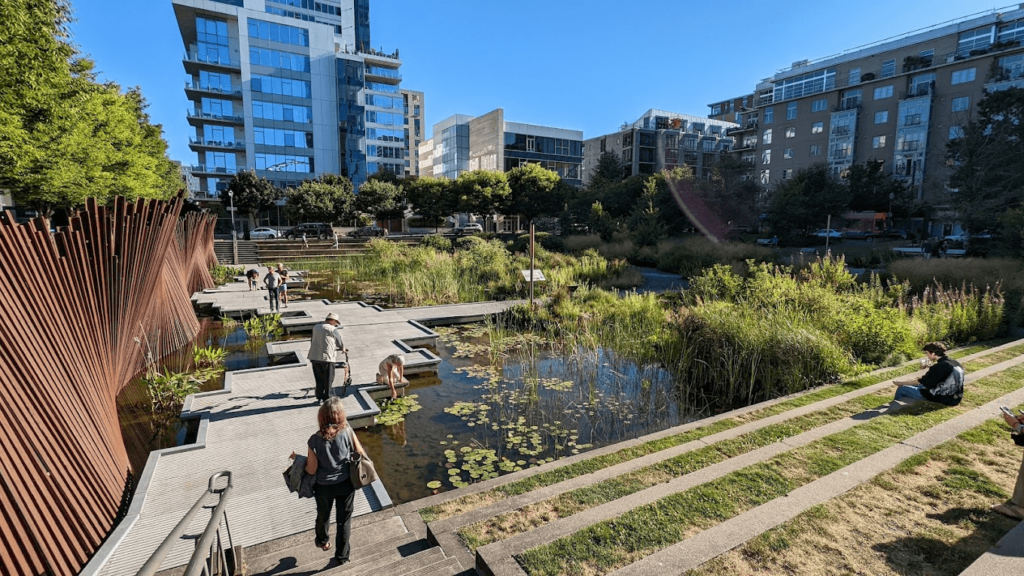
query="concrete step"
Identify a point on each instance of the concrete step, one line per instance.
(363, 534)
(401, 567)
(447, 567)
(304, 557)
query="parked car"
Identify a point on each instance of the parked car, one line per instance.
(264, 233)
(827, 233)
(311, 230)
(369, 232)
(471, 228)
(961, 237)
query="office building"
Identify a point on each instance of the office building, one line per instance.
(489, 142)
(415, 125)
(661, 140)
(290, 88)
(899, 101)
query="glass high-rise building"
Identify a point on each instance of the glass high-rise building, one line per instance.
(290, 88)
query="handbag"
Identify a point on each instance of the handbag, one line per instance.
(362, 471)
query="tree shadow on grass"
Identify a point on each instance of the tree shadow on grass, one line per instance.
(927, 553)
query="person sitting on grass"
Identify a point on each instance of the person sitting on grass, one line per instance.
(391, 371)
(943, 383)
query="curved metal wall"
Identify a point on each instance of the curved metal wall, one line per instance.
(78, 309)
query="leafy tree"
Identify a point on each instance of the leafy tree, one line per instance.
(989, 160)
(805, 201)
(432, 198)
(646, 222)
(619, 198)
(601, 223)
(253, 194)
(65, 137)
(609, 170)
(481, 192)
(535, 192)
(383, 199)
(328, 199)
(869, 189)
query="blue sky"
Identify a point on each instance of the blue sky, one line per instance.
(581, 64)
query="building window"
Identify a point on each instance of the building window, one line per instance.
(878, 142)
(851, 99)
(815, 150)
(769, 114)
(974, 40)
(716, 110)
(790, 132)
(1012, 31)
(531, 144)
(787, 154)
(1010, 67)
(804, 85)
(765, 177)
(883, 92)
(961, 104)
(817, 127)
(791, 111)
(767, 137)
(278, 32)
(787, 174)
(854, 76)
(881, 117)
(819, 105)
(962, 76)
(956, 132)
(766, 157)
(888, 68)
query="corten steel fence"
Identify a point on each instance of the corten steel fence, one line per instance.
(82, 310)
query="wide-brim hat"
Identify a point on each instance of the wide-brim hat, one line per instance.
(333, 316)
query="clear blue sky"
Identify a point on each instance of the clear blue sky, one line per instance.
(581, 64)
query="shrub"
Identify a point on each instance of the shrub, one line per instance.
(691, 256)
(468, 242)
(546, 240)
(437, 242)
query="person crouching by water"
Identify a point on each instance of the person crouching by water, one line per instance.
(329, 460)
(943, 383)
(391, 371)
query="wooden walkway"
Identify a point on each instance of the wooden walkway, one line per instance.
(261, 416)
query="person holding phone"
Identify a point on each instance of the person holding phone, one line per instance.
(1015, 507)
(943, 383)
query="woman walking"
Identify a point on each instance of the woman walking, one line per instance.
(330, 451)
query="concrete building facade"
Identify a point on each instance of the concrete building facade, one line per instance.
(415, 126)
(661, 140)
(899, 101)
(290, 88)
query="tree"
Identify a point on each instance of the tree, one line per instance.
(869, 188)
(609, 170)
(328, 199)
(65, 137)
(433, 199)
(481, 192)
(805, 201)
(989, 160)
(535, 192)
(383, 199)
(253, 194)
(646, 223)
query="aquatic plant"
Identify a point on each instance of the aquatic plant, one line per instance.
(208, 356)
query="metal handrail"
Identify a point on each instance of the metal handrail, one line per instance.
(198, 562)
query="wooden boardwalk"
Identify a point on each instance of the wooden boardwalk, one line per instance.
(260, 417)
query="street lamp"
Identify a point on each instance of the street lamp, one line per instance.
(231, 198)
(888, 217)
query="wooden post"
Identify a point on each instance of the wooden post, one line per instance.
(531, 265)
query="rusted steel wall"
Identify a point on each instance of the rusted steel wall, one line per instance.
(81, 310)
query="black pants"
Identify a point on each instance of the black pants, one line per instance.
(343, 494)
(323, 374)
(274, 302)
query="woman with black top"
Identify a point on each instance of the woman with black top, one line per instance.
(329, 460)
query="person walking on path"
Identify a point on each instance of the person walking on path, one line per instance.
(252, 275)
(391, 371)
(273, 281)
(305, 243)
(329, 456)
(1015, 507)
(943, 383)
(335, 239)
(283, 289)
(323, 354)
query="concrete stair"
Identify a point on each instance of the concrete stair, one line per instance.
(248, 252)
(382, 543)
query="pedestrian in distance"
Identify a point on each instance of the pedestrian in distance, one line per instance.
(943, 383)
(1014, 508)
(329, 457)
(252, 275)
(391, 371)
(273, 282)
(775, 241)
(305, 243)
(323, 354)
(335, 239)
(283, 289)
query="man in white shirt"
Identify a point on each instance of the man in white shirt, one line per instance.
(323, 354)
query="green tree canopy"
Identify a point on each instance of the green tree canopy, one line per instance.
(869, 188)
(535, 192)
(609, 170)
(328, 199)
(481, 192)
(383, 199)
(804, 202)
(646, 223)
(432, 198)
(65, 137)
(253, 194)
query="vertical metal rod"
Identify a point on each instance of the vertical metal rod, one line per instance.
(532, 252)
(828, 232)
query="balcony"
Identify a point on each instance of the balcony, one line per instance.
(750, 125)
(201, 143)
(852, 104)
(200, 118)
(370, 55)
(194, 61)
(203, 169)
(921, 90)
(745, 146)
(194, 91)
(381, 74)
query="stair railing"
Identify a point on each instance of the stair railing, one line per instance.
(210, 555)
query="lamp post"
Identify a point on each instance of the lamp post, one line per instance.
(888, 216)
(231, 198)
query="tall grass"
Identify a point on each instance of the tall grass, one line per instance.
(981, 272)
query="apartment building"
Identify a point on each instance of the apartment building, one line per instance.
(899, 101)
(489, 142)
(290, 88)
(661, 140)
(415, 125)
